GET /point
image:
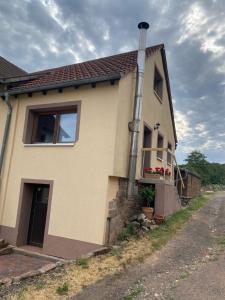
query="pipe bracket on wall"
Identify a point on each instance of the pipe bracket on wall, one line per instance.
(134, 126)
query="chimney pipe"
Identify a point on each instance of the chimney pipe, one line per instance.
(134, 126)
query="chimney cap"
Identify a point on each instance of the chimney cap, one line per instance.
(143, 25)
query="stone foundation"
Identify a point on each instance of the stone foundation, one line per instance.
(120, 210)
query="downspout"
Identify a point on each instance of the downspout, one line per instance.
(134, 126)
(6, 130)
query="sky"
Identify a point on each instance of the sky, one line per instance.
(39, 34)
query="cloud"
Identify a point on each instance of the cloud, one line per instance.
(182, 125)
(48, 33)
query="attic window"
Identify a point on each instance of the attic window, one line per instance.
(158, 84)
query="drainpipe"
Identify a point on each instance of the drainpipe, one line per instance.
(134, 126)
(6, 130)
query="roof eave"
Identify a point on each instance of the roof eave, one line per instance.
(65, 84)
(169, 91)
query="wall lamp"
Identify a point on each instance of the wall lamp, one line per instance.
(156, 126)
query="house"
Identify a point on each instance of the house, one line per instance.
(66, 136)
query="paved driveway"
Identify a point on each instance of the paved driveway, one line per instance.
(16, 265)
(190, 267)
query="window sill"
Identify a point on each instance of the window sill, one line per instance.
(158, 97)
(50, 145)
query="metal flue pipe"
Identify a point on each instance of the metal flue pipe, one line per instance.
(134, 126)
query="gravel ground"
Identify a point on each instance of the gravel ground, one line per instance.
(191, 266)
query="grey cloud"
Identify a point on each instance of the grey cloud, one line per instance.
(33, 39)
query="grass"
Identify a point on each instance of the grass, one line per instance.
(127, 232)
(40, 285)
(214, 258)
(161, 235)
(222, 241)
(72, 278)
(63, 290)
(184, 275)
(117, 253)
(21, 294)
(82, 262)
(133, 294)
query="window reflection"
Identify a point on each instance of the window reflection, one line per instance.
(67, 128)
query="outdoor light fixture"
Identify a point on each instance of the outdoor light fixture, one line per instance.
(156, 126)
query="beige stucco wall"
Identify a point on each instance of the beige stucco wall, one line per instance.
(153, 111)
(80, 172)
(124, 116)
(82, 187)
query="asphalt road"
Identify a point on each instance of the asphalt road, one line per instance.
(190, 267)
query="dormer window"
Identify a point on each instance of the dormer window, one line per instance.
(158, 84)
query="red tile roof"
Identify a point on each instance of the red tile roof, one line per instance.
(95, 69)
(7, 69)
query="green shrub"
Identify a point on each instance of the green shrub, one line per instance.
(126, 232)
(63, 290)
(123, 235)
(148, 195)
(82, 262)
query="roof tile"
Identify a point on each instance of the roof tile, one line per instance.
(117, 64)
(7, 69)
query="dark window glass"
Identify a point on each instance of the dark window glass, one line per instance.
(45, 128)
(158, 84)
(55, 127)
(67, 128)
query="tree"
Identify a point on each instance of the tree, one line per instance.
(211, 173)
(196, 159)
(196, 162)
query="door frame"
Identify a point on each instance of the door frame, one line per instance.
(24, 209)
(150, 154)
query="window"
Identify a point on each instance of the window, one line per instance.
(59, 127)
(169, 157)
(158, 84)
(51, 124)
(160, 145)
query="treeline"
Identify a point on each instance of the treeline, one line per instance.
(211, 173)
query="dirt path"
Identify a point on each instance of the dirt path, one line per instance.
(192, 266)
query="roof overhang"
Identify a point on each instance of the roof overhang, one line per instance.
(64, 84)
(163, 53)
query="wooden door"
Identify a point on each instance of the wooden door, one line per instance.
(38, 215)
(147, 143)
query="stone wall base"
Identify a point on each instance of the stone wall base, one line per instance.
(120, 210)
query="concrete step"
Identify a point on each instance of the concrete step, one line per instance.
(7, 250)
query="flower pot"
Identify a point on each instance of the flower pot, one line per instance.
(152, 176)
(159, 219)
(148, 211)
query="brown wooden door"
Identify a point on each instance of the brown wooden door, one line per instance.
(38, 215)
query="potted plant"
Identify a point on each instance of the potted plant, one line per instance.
(148, 194)
(159, 219)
